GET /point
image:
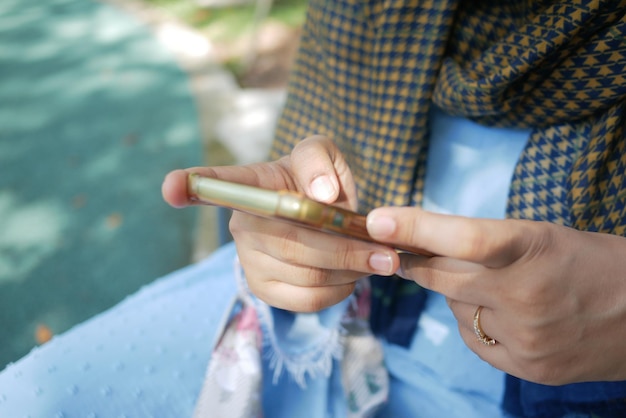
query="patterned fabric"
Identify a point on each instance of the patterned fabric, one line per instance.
(233, 381)
(363, 374)
(368, 71)
(303, 345)
(232, 384)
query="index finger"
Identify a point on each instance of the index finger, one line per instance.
(490, 242)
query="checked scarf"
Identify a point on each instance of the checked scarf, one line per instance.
(368, 71)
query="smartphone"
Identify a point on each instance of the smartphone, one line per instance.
(283, 205)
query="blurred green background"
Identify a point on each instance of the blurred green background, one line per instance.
(233, 22)
(94, 111)
(227, 23)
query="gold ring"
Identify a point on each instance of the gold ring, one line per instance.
(480, 334)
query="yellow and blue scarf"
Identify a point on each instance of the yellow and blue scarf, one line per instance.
(369, 70)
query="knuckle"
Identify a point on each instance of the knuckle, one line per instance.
(540, 236)
(258, 288)
(410, 227)
(313, 303)
(235, 224)
(473, 241)
(427, 278)
(528, 297)
(344, 257)
(318, 299)
(289, 246)
(318, 277)
(537, 298)
(435, 274)
(242, 225)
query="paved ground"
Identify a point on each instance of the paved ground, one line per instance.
(93, 112)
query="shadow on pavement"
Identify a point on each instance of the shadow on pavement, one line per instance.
(93, 113)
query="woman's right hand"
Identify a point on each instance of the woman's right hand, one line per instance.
(290, 267)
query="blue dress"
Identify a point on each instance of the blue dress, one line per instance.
(147, 356)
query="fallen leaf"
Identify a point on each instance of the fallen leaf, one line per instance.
(79, 201)
(114, 220)
(130, 139)
(43, 334)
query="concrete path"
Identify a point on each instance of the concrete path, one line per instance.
(94, 110)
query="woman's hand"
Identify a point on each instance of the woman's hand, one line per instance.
(286, 266)
(554, 298)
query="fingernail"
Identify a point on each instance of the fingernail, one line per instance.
(381, 262)
(322, 188)
(380, 226)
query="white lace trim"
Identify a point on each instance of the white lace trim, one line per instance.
(315, 363)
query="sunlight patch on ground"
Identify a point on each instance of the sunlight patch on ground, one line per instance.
(183, 41)
(29, 234)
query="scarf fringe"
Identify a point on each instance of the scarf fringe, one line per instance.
(314, 363)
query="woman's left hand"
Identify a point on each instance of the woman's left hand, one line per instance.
(553, 298)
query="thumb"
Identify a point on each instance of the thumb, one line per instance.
(490, 242)
(322, 173)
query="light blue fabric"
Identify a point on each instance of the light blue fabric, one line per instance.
(468, 173)
(301, 371)
(147, 356)
(470, 166)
